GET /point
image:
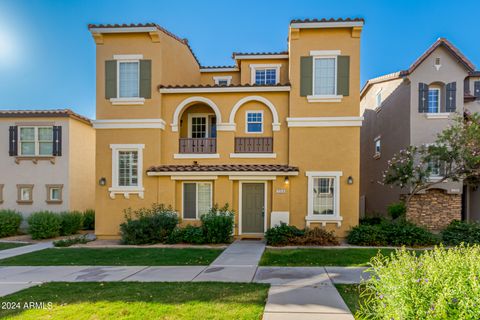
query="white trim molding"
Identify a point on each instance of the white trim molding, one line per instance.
(325, 122)
(127, 101)
(127, 56)
(127, 190)
(324, 219)
(260, 56)
(227, 89)
(438, 115)
(324, 98)
(318, 25)
(196, 156)
(129, 124)
(253, 155)
(185, 103)
(265, 101)
(226, 69)
(217, 79)
(258, 174)
(317, 53)
(255, 67)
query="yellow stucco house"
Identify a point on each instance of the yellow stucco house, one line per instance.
(276, 135)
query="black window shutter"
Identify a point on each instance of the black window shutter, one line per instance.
(57, 141)
(13, 141)
(476, 89)
(422, 97)
(451, 103)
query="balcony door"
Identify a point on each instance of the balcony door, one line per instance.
(202, 126)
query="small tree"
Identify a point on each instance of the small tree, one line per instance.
(455, 153)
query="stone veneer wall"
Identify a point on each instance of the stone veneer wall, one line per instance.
(435, 209)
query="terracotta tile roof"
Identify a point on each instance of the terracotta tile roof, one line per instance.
(216, 67)
(194, 86)
(46, 113)
(475, 74)
(440, 42)
(327, 20)
(144, 25)
(224, 168)
(258, 53)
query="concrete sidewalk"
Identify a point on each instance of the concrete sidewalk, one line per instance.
(4, 254)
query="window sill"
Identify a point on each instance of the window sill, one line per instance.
(34, 159)
(127, 101)
(126, 191)
(24, 201)
(253, 155)
(196, 156)
(326, 98)
(440, 115)
(54, 201)
(376, 156)
(323, 220)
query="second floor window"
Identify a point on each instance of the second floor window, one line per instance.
(128, 80)
(378, 100)
(325, 76)
(265, 76)
(127, 168)
(254, 122)
(36, 141)
(433, 100)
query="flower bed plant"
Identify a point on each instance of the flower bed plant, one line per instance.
(439, 284)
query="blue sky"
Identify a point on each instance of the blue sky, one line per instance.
(47, 56)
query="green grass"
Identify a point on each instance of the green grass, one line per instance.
(114, 257)
(351, 295)
(11, 245)
(319, 257)
(134, 300)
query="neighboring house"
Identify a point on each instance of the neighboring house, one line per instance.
(276, 135)
(48, 161)
(411, 107)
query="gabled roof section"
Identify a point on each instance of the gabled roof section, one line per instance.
(138, 27)
(46, 113)
(441, 42)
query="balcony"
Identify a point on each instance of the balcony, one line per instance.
(198, 145)
(254, 145)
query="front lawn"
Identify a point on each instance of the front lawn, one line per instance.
(11, 245)
(351, 295)
(115, 257)
(320, 257)
(133, 300)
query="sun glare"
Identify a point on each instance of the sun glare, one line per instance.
(8, 47)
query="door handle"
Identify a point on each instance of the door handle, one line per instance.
(263, 211)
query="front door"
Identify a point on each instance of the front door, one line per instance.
(253, 207)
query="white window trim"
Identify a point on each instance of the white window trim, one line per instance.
(126, 190)
(207, 122)
(438, 115)
(127, 100)
(439, 100)
(246, 121)
(218, 78)
(36, 142)
(336, 217)
(196, 197)
(318, 54)
(377, 154)
(255, 67)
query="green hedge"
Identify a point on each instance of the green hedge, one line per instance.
(10, 221)
(218, 224)
(44, 225)
(460, 231)
(89, 219)
(284, 234)
(70, 222)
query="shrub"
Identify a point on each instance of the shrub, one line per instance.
(176, 236)
(371, 221)
(70, 241)
(89, 219)
(460, 231)
(44, 225)
(391, 233)
(148, 225)
(70, 222)
(438, 284)
(397, 210)
(218, 225)
(316, 237)
(193, 234)
(282, 234)
(10, 221)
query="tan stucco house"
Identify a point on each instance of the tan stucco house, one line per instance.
(48, 161)
(276, 135)
(411, 107)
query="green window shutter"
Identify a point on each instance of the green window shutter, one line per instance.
(146, 79)
(343, 75)
(306, 76)
(110, 79)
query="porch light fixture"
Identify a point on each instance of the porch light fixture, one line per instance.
(286, 180)
(102, 181)
(350, 180)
